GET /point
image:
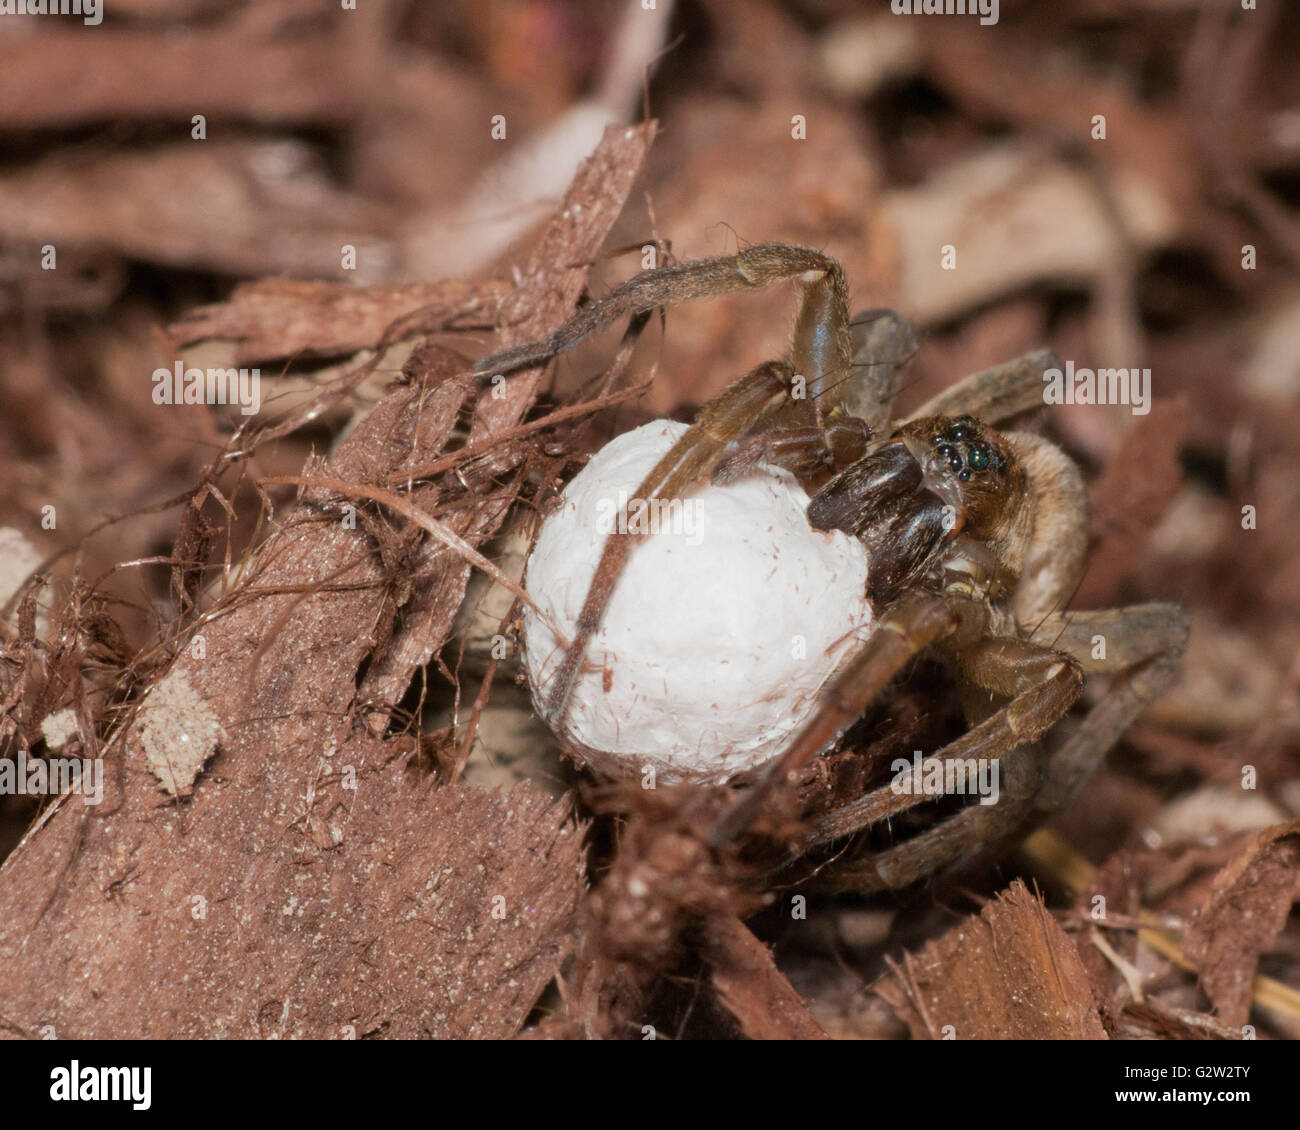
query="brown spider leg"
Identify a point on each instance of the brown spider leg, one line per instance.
(821, 347)
(911, 626)
(1023, 664)
(994, 394)
(1143, 646)
(1042, 684)
(821, 350)
(802, 451)
(748, 403)
(959, 837)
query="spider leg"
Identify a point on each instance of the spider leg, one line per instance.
(821, 347)
(805, 452)
(1141, 647)
(959, 837)
(803, 394)
(912, 625)
(994, 394)
(1042, 684)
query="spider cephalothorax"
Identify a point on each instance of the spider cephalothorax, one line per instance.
(938, 481)
(975, 537)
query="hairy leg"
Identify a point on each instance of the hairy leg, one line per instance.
(821, 347)
(903, 632)
(1042, 685)
(959, 837)
(805, 452)
(994, 394)
(1141, 647)
(802, 395)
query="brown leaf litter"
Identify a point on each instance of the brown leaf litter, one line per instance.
(320, 825)
(1011, 973)
(310, 887)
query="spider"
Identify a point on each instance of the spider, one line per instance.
(976, 538)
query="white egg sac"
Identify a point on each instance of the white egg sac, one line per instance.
(726, 623)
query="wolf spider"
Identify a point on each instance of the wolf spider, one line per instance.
(975, 536)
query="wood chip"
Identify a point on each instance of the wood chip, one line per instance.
(1008, 973)
(1244, 912)
(274, 318)
(752, 988)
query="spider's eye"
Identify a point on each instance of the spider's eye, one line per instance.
(978, 458)
(961, 429)
(964, 474)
